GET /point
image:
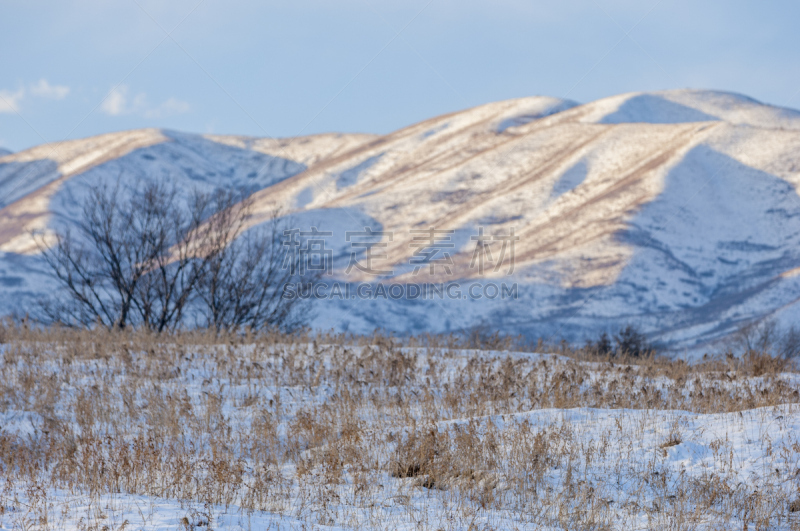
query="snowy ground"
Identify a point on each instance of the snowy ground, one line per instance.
(104, 434)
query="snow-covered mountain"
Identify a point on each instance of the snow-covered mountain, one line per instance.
(676, 211)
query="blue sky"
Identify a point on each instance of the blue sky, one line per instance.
(75, 68)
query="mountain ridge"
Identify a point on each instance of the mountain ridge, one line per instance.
(607, 198)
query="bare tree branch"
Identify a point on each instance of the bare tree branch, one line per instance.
(148, 256)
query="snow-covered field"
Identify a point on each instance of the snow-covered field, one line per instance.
(103, 431)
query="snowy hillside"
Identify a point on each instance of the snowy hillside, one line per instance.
(110, 431)
(676, 211)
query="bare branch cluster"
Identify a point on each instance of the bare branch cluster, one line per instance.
(157, 259)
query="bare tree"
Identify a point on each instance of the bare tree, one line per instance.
(632, 342)
(244, 278)
(766, 336)
(151, 257)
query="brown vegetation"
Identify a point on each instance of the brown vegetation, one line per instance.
(327, 429)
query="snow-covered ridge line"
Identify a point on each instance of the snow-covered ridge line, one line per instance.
(676, 211)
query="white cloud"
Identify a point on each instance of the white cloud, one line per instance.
(9, 101)
(46, 90)
(118, 103)
(168, 108)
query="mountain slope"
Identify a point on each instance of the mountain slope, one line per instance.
(49, 179)
(676, 210)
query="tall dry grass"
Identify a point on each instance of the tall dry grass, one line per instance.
(328, 428)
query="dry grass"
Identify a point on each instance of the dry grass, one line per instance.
(366, 432)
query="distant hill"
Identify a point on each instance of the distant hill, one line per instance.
(676, 211)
